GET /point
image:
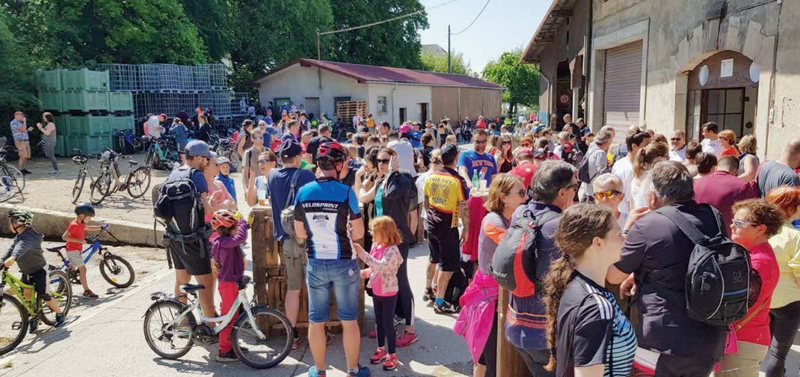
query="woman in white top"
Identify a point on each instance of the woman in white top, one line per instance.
(643, 162)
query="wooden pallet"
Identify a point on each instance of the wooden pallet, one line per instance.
(346, 110)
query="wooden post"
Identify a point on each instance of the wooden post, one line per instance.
(509, 362)
(262, 242)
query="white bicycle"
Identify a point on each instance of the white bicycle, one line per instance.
(261, 337)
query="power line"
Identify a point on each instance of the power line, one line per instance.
(385, 21)
(476, 18)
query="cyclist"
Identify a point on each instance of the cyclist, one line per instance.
(27, 250)
(326, 213)
(75, 238)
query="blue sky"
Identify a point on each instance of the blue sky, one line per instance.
(504, 25)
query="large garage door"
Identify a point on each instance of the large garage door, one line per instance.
(622, 87)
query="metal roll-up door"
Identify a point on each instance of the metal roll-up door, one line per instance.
(622, 88)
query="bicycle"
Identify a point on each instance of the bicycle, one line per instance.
(12, 181)
(81, 159)
(16, 310)
(161, 154)
(137, 182)
(114, 269)
(227, 148)
(261, 337)
(127, 140)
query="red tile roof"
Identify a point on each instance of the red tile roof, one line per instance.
(371, 74)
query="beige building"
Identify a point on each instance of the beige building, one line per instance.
(393, 95)
(674, 64)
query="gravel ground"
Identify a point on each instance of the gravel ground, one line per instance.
(53, 192)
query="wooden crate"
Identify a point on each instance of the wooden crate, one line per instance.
(269, 275)
(346, 110)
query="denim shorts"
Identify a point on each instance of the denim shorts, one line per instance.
(343, 277)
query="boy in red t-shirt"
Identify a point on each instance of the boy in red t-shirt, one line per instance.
(75, 238)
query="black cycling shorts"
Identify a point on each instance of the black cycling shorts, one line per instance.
(192, 256)
(445, 247)
(39, 281)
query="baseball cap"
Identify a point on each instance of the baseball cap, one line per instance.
(290, 148)
(449, 150)
(199, 148)
(404, 129)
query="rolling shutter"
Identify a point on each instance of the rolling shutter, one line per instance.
(622, 87)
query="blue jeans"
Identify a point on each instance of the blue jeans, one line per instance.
(343, 277)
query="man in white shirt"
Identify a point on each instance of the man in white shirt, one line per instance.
(154, 126)
(711, 143)
(678, 141)
(623, 169)
(357, 120)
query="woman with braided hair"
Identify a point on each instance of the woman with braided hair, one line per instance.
(585, 326)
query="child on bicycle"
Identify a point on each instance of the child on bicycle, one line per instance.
(27, 251)
(228, 263)
(75, 236)
(383, 261)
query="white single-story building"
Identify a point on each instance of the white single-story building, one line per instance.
(393, 95)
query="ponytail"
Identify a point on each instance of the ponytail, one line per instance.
(645, 157)
(555, 284)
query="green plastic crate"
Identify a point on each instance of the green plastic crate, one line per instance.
(89, 144)
(88, 125)
(120, 101)
(48, 79)
(84, 79)
(124, 122)
(85, 100)
(51, 100)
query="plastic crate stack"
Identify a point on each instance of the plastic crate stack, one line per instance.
(87, 114)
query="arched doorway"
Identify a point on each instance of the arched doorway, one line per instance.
(723, 89)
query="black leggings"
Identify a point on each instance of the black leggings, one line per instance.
(536, 360)
(489, 354)
(384, 320)
(405, 299)
(784, 322)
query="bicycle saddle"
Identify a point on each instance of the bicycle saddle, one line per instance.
(189, 288)
(55, 249)
(132, 163)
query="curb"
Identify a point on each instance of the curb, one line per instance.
(52, 224)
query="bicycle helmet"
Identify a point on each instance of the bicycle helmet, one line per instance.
(84, 209)
(21, 217)
(222, 219)
(332, 151)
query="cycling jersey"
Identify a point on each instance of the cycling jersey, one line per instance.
(326, 206)
(445, 189)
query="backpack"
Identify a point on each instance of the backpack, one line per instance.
(514, 262)
(720, 283)
(583, 169)
(180, 207)
(287, 214)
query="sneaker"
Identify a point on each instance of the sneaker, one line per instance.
(227, 357)
(60, 320)
(33, 324)
(53, 172)
(314, 372)
(25, 171)
(445, 308)
(89, 294)
(407, 339)
(296, 343)
(362, 372)
(390, 363)
(428, 295)
(379, 356)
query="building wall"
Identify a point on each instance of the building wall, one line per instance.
(399, 96)
(298, 82)
(679, 34)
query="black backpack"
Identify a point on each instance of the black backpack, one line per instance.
(583, 169)
(180, 207)
(720, 283)
(514, 262)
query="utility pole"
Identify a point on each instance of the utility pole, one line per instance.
(448, 49)
(318, 54)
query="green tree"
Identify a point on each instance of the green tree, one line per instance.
(16, 78)
(214, 23)
(275, 32)
(522, 80)
(438, 63)
(394, 44)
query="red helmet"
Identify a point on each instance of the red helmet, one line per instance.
(333, 151)
(223, 219)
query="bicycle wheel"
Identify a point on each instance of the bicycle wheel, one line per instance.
(117, 271)
(78, 187)
(139, 182)
(61, 290)
(262, 353)
(101, 187)
(13, 323)
(168, 340)
(138, 146)
(149, 157)
(16, 174)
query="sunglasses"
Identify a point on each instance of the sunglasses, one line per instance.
(570, 187)
(258, 138)
(606, 194)
(676, 139)
(480, 141)
(741, 223)
(526, 145)
(521, 193)
(506, 143)
(383, 161)
(264, 161)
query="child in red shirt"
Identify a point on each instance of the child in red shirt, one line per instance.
(75, 238)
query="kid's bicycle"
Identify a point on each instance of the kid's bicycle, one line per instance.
(16, 310)
(137, 182)
(261, 337)
(129, 142)
(114, 269)
(81, 160)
